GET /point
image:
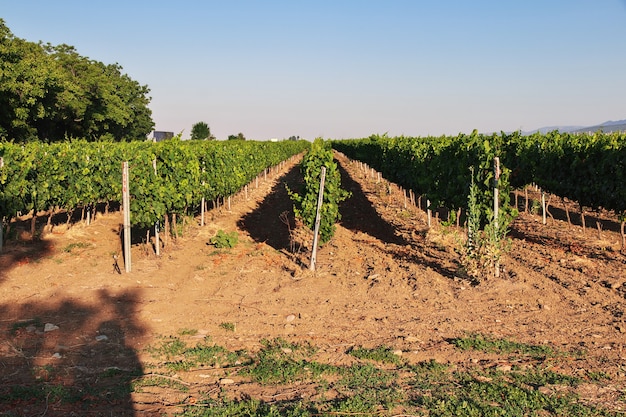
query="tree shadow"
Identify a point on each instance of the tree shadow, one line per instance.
(267, 223)
(22, 252)
(65, 357)
(21, 247)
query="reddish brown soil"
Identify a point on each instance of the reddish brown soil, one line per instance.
(384, 279)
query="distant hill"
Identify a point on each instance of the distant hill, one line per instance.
(606, 127)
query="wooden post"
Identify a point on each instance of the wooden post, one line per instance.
(543, 207)
(202, 212)
(496, 208)
(496, 192)
(157, 242)
(126, 208)
(1, 222)
(320, 200)
(166, 229)
(526, 199)
(582, 218)
(621, 229)
(428, 212)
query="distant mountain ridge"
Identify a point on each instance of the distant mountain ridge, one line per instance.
(606, 127)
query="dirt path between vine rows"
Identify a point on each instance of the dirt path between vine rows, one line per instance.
(384, 279)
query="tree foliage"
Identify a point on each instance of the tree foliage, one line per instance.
(201, 131)
(51, 93)
(238, 136)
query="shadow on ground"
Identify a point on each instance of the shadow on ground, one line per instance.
(21, 246)
(271, 221)
(21, 252)
(359, 215)
(63, 357)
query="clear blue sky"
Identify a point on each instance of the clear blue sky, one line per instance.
(351, 68)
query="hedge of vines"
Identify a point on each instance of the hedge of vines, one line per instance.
(169, 177)
(305, 202)
(587, 168)
(438, 168)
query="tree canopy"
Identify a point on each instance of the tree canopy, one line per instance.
(201, 131)
(238, 136)
(51, 93)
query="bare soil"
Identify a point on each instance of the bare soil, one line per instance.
(384, 279)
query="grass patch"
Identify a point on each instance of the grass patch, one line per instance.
(188, 332)
(381, 354)
(364, 388)
(496, 394)
(180, 357)
(75, 245)
(53, 393)
(158, 381)
(229, 327)
(306, 386)
(16, 327)
(501, 346)
(282, 362)
(169, 347)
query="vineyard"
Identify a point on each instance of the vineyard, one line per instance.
(167, 178)
(588, 169)
(549, 332)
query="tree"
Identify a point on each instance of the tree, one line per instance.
(51, 93)
(29, 82)
(238, 136)
(201, 131)
(99, 101)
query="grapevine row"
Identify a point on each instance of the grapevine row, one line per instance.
(588, 168)
(440, 169)
(305, 202)
(169, 177)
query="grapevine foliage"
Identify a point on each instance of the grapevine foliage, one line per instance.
(165, 178)
(305, 203)
(440, 169)
(587, 168)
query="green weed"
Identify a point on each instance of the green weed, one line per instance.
(379, 354)
(427, 388)
(180, 357)
(75, 245)
(493, 345)
(23, 324)
(158, 381)
(283, 362)
(188, 332)
(224, 240)
(230, 327)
